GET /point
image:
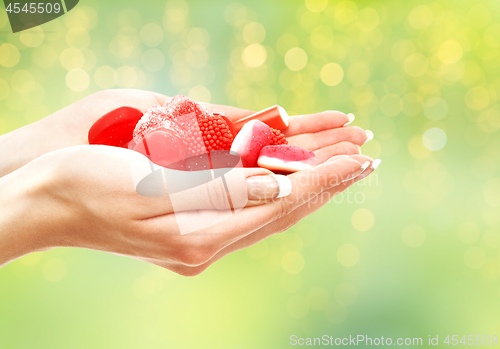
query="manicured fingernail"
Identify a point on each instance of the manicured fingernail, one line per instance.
(350, 117)
(284, 184)
(267, 187)
(358, 172)
(375, 164)
(369, 136)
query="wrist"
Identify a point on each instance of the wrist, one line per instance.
(29, 215)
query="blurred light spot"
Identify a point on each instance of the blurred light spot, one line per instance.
(78, 37)
(434, 139)
(296, 59)
(54, 269)
(479, 16)
(291, 283)
(31, 259)
(175, 19)
(258, 251)
(331, 74)
(489, 120)
(336, 313)
(4, 90)
(22, 81)
(72, 58)
(348, 255)
(285, 42)
(417, 148)
(477, 98)
(391, 105)
(291, 242)
(316, 5)
(44, 56)
(412, 104)
(435, 108)
(84, 17)
(468, 232)
(236, 14)
(318, 298)
(254, 55)
(151, 34)
(297, 306)
(491, 192)
(413, 235)
(474, 257)
(396, 84)
(104, 77)
(452, 72)
(293, 262)
(200, 93)
(9, 55)
(130, 17)
(367, 19)
(125, 77)
(346, 12)
(450, 52)
(362, 219)
(153, 60)
(402, 49)
(77, 80)
(358, 74)
(254, 33)
(198, 38)
(442, 218)
(32, 37)
(416, 65)
(345, 293)
(421, 17)
(322, 37)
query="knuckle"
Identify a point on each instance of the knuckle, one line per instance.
(217, 195)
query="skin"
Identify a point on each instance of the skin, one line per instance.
(59, 191)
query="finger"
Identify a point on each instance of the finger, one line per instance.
(342, 148)
(236, 188)
(312, 123)
(315, 141)
(273, 228)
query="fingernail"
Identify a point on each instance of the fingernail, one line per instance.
(375, 164)
(369, 136)
(358, 172)
(350, 117)
(284, 184)
(267, 187)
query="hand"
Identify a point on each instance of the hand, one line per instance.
(85, 197)
(322, 133)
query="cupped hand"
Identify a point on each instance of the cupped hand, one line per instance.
(324, 133)
(90, 201)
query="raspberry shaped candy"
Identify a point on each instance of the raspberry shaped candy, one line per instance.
(278, 137)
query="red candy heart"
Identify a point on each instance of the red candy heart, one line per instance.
(115, 128)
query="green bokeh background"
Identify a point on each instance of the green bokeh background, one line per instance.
(411, 253)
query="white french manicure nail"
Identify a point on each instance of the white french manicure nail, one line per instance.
(365, 166)
(357, 173)
(284, 184)
(350, 117)
(369, 136)
(375, 164)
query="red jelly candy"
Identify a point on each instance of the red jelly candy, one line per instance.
(115, 128)
(162, 146)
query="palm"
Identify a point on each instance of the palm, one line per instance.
(322, 132)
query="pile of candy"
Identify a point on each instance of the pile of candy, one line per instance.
(183, 135)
